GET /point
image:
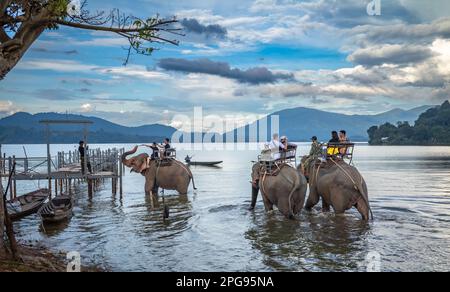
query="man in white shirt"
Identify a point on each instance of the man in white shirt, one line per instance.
(275, 145)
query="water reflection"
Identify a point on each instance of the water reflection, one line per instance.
(315, 242)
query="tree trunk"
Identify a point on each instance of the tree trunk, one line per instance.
(10, 55)
(2, 220)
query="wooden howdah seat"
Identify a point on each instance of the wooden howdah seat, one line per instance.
(340, 151)
(169, 156)
(273, 161)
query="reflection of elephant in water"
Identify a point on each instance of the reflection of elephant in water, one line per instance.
(340, 185)
(287, 190)
(171, 177)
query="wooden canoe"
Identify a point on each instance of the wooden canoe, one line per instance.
(26, 205)
(204, 163)
(59, 209)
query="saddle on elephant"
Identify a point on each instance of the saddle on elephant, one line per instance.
(273, 169)
(273, 161)
(170, 155)
(340, 151)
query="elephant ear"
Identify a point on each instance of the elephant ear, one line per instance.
(145, 165)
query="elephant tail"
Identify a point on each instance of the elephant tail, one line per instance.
(365, 195)
(297, 184)
(193, 181)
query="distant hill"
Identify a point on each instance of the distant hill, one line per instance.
(300, 124)
(24, 128)
(431, 128)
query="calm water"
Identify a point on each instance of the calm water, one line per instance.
(211, 229)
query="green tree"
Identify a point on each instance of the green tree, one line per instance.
(23, 21)
(432, 128)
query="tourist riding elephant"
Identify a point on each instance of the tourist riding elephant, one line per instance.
(340, 186)
(287, 190)
(175, 176)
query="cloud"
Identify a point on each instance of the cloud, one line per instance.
(65, 66)
(7, 108)
(45, 50)
(55, 65)
(390, 54)
(404, 33)
(55, 94)
(257, 75)
(86, 108)
(209, 31)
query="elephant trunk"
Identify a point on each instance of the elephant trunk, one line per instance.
(124, 159)
(255, 191)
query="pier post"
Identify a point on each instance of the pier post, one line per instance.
(90, 190)
(2, 218)
(121, 174)
(14, 182)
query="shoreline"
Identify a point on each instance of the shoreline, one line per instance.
(37, 258)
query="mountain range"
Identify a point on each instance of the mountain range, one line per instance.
(299, 124)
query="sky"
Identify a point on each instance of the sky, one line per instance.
(241, 58)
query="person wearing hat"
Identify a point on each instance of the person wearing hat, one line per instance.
(314, 153)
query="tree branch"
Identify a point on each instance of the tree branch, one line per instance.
(113, 29)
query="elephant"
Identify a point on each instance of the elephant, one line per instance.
(176, 176)
(339, 185)
(287, 190)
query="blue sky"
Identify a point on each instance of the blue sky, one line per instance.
(243, 57)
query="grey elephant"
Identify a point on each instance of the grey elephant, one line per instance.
(287, 190)
(339, 185)
(176, 176)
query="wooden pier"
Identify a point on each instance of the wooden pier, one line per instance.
(65, 169)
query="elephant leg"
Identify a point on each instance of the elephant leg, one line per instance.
(149, 187)
(267, 204)
(300, 201)
(339, 201)
(325, 206)
(313, 199)
(283, 207)
(183, 186)
(363, 209)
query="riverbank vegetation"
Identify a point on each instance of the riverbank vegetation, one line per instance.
(432, 128)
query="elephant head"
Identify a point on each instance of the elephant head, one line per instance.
(256, 173)
(137, 163)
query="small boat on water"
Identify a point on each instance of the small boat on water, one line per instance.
(27, 204)
(57, 210)
(201, 163)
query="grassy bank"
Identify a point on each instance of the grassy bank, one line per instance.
(35, 258)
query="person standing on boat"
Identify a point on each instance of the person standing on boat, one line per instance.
(82, 150)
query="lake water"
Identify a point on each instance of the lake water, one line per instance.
(211, 229)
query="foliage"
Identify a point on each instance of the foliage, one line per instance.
(23, 21)
(432, 128)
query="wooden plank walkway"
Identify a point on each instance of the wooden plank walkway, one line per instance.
(67, 168)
